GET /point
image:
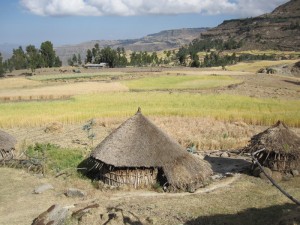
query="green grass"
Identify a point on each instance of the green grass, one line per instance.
(74, 76)
(57, 158)
(179, 82)
(81, 108)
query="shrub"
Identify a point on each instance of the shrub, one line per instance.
(56, 159)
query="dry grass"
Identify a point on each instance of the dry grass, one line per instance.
(74, 76)
(60, 91)
(256, 65)
(17, 82)
(220, 135)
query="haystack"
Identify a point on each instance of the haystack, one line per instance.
(7, 146)
(139, 154)
(281, 148)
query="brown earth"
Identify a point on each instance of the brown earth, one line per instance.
(239, 199)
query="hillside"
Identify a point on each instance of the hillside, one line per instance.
(167, 39)
(279, 29)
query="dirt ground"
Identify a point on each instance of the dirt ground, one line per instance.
(235, 199)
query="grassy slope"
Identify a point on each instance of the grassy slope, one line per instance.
(255, 66)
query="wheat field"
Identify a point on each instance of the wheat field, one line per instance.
(124, 104)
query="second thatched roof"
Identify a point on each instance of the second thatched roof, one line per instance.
(278, 138)
(139, 143)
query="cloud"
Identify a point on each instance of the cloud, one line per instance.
(146, 7)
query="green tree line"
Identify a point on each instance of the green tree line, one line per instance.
(31, 58)
(117, 57)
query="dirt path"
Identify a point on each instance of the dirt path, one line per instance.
(220, 184)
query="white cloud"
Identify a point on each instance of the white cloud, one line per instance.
(148, 7)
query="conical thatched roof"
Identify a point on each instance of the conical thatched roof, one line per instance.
(139, 143)
(7, 142)
(278, 138)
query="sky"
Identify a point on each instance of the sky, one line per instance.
(64, 22)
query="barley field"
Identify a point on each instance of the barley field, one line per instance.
(180, 82)
(115, 104)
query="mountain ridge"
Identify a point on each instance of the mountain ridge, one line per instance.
(166, 39)
(278, 30)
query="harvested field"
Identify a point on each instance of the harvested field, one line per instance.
(61, 91)
(256, 65)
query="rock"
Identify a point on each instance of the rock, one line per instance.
(267, 171)
(55, 127)
(256, 171)
(295, 173)
(78, 214)
(287, 177)
(151, 220)
(73, 192)
(225, 155)
(277, 176)
(42, 188)
(55, 215)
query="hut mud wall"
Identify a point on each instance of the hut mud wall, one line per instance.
(278, 162)
(139, 177)
(133, 177)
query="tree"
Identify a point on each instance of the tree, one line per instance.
(48, 54)
(109, 56)
(96, 53)
(70, 62)
(89, 56)
(19, 59)
(2, 70)
(79, 61)
(57, 62)
(181, 55)
(33, 57)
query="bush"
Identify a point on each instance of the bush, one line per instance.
(56, 158)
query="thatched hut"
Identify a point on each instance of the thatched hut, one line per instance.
(139, 154)
(7, 146)
(281, 148)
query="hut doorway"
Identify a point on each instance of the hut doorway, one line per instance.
(161, 178)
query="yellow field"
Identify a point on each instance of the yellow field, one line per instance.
(116, 104)
(255, 66)
(18, 82)
(59, 91)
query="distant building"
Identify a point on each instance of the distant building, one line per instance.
(96, 66)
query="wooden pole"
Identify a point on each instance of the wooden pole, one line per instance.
(272, 181)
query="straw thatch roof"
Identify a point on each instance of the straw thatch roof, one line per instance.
(280, 148)
(138, 143)
(278, 138)
(7, 144)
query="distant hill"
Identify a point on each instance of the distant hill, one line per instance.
(167, 39)
(279, 29)
(6, 49)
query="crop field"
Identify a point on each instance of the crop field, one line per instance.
(73, 76)
(58, 91)
(180, 82)
(115, 104)
(256, 65)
